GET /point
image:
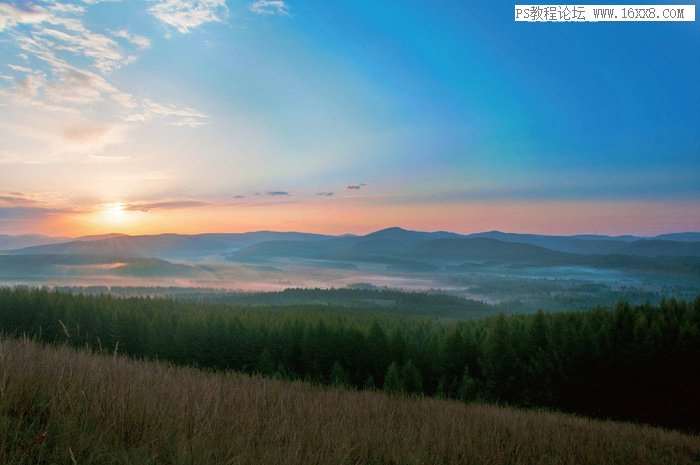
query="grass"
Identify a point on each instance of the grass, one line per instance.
(61, 406)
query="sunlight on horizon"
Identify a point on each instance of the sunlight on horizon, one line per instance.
(114, 215)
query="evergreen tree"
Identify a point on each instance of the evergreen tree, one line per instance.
(412, 379)
(338, 375)
(393, 382)
(468, 389)
(266, 364)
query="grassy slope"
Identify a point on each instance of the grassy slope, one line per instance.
(59, 406)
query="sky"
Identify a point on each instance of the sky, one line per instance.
(196, 116)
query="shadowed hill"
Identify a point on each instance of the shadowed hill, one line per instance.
(62, 406)
(27, 240)
(163, 245)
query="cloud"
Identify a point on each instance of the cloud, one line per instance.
(269, 7)
(141, 42)
(61, 94)
(27, 213)
(58, 28)
(167, 205)
(277, 193)
(14, 159)
(16, 199)
(176, 114)
(355, 187)
(11, 15)
(90, 133)
(95, 2)
(185, 15)
(67, 8)
(109, 158)
(20, 69)
(238, 197)
(325, 194)
(28, 87)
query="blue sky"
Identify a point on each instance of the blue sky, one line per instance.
(446, 115)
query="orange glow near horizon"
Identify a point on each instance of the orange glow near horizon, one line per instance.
(352, 216)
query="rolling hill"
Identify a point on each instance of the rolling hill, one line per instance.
(105, 409)
(27, 240)
(397, 248)
(165, 246)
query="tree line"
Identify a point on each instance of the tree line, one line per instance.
(636, 363)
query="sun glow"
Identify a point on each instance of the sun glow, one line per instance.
(114, 213)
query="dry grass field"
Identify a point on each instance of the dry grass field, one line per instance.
(61, 406)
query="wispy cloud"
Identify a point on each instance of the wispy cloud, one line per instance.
(11, 15)
(269, 7)
(167, 205)
(66, 69)
(277, 193)
(325, 194)
(15, 199)
(139, 41)
(185, 15)
(20, 69)
(27, 213)
(95, 2)
(176, 114)
(355, 187)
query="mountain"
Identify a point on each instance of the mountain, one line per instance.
(405, 250)
(27, 240)
(680, 237)
(402, 246)
(583, 244)
(662, 248)
(164, 246)
(44, 266)
(397, 248)
(485, 249)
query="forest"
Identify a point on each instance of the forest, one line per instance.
(636, 363)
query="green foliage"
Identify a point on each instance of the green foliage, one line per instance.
(338, 375)
(630, 362)
(412, 379)
(393, 383)
(468, 389)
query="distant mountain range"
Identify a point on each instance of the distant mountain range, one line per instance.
(398, 248)
(28, 240)
(164, 246)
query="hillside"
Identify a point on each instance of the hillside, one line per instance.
(630, 363)
(165, 246)
(77, 265)
(8, 242)
(381, 246)
(66, 407)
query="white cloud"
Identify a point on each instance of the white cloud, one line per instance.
(59, 29)
(185, 15)
(20, 69)
(91, 137)
(174, 114)
(67, 8)
(64, 105)
(11, 15)
(136, 40)
(29, 86)
(269, 7)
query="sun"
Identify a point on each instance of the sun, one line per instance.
(114, 213)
